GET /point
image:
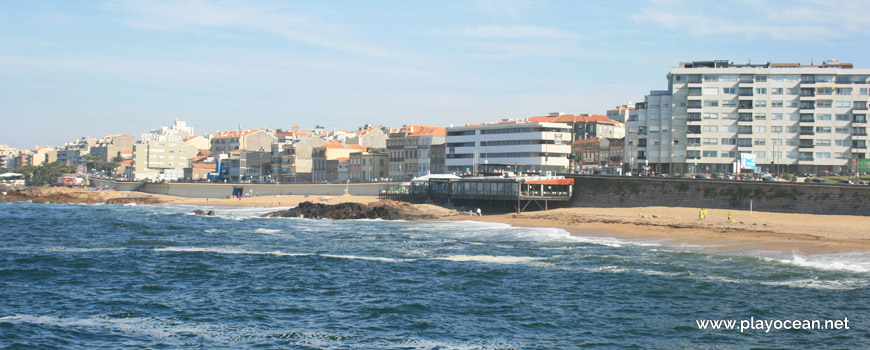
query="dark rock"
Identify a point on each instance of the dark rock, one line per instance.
(386, 210)
(136, 200)
(203, 212)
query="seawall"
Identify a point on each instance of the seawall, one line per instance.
(221, 190)
(786, 197)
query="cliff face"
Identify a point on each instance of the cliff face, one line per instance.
(386, 210)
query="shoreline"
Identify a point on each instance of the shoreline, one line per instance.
(810, 233)
(673, 225)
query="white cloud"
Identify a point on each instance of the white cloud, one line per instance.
(506, 32)
(800, 20)
(201, 14)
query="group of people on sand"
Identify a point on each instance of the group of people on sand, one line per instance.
(702, 215)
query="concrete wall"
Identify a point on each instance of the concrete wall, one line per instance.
(219, 190)
(622, 191)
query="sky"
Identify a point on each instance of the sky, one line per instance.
(70, 69)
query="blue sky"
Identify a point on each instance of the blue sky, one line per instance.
(92, 68)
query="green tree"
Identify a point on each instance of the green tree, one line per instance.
(91, 162)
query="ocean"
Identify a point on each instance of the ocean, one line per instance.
(101, 276)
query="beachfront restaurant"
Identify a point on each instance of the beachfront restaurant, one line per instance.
(507, 191)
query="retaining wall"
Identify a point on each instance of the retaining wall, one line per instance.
(788, 197)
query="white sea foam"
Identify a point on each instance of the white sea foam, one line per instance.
(219, 250)
(354, 257)
(151, 327)
(491, 259)
(267, 231)
(506, 232)
(81, 250)
(852, 262)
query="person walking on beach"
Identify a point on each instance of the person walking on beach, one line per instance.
(478, 212)
(730, 217)
(701, 214)
(704, 217)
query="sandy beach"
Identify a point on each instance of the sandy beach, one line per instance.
(759, 230)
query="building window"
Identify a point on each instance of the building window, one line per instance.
(710, 154)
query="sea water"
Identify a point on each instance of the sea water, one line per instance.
(100, 276)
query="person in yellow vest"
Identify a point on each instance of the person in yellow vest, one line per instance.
(730, 217)
(701, 214)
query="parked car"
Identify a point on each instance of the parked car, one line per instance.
(701, 176)
(846, 182)
(662, 175)
(818, 180)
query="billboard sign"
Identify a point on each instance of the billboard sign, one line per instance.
(747, 161)
(863, 165)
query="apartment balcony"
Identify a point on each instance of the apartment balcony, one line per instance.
(806, 133)
(807, 120)
(860, 108)
(859, 146)
(806, 145)
(744, 119)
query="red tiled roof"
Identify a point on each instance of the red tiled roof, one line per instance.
(426, 130)
(204, 152)
(336, 144)
(205, 166)
(236, 134)
(125, 162)
(198, 158)
(569, 118)
(126, 152)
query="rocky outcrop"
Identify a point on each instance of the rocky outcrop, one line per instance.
(386, 210)
(203, 212)
(128, 200)
(63, 195)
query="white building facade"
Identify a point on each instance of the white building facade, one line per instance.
(793, 118)
(529, 146)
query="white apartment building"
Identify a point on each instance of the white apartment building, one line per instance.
(508, 145)
(160, 160)
(794, 118)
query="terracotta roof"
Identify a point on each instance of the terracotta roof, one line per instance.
(426, 130)
(292, 133)
(125, 162)
(236, 151)
(204, 152)
(569, 118)
(236, 134)
(205, 166)
(336, 145)
(343, 159)
(126, 152)
(198, 158)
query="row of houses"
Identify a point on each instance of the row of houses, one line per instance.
(371, 153)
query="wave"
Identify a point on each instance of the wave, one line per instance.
(851, 262)
(267, 231)
(218, 250)
(354, 257)
(81, 250)
(490, 259)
